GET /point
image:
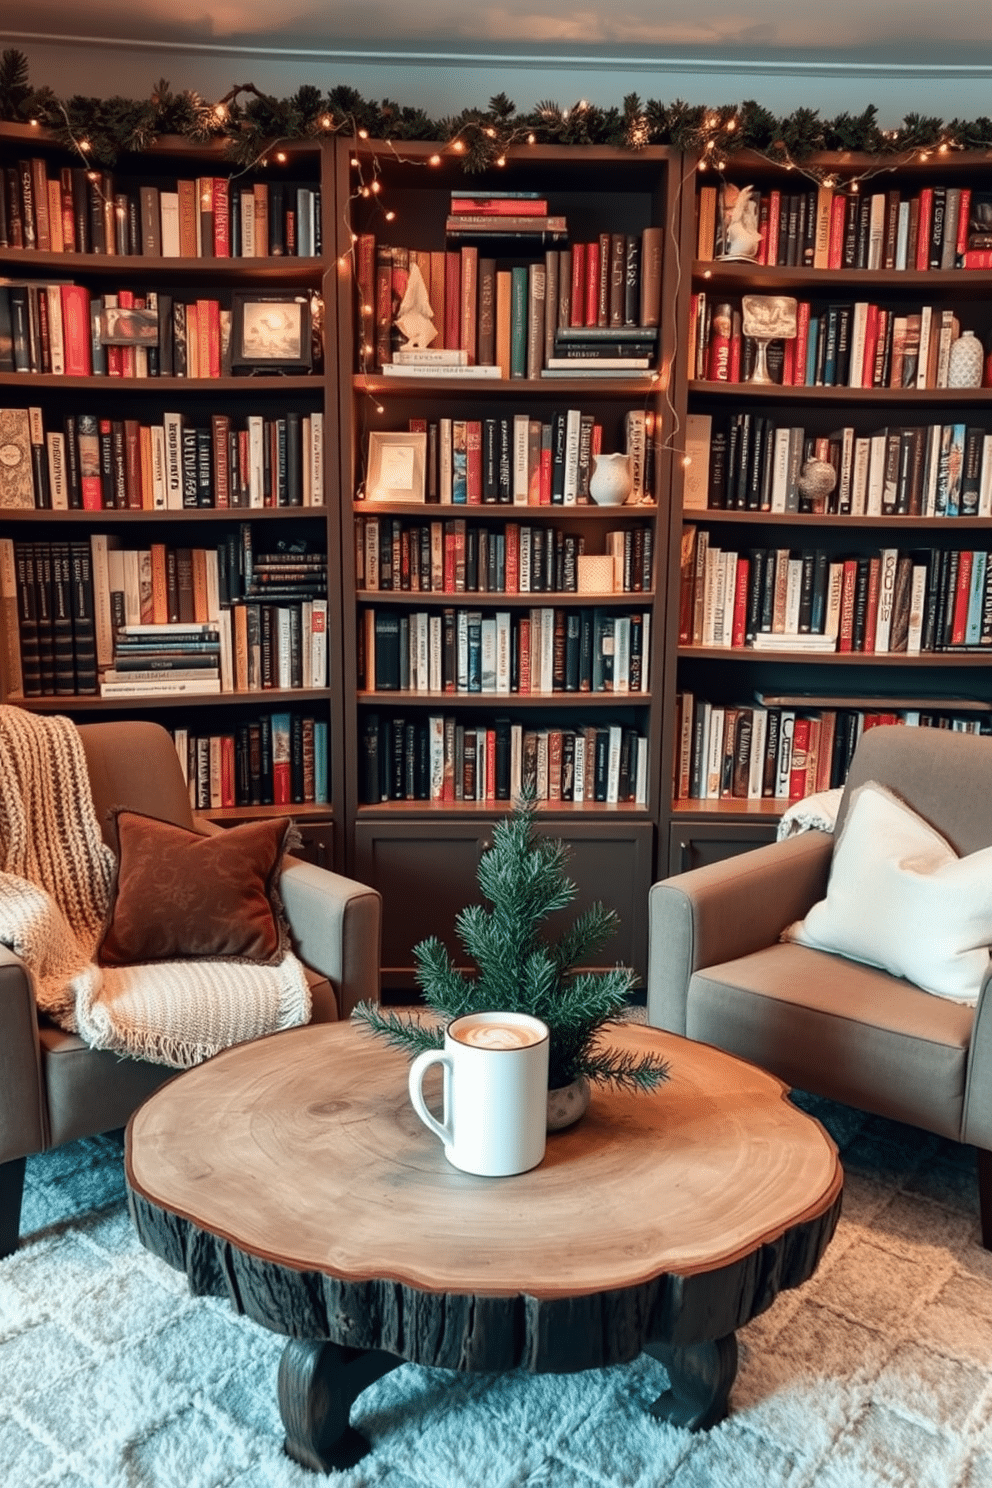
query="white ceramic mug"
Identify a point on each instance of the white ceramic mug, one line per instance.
(495, 1092)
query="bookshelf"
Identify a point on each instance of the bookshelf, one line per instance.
(426, 575)
(889, 553)
(203, 498)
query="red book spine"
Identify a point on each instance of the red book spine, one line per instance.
(835, 252)
(125, 300)
(740, 602)
(847, 604)
(923, 231)
(871, 608)
(789, 363)
(763, 212)
(490, 791)
(523, 653)
(964, 213)
(227, 770)
(721, 328)
(801, 344)
(592, 283)
(774, 220)
(871, 336)
(544, 474)
(449, 558)
(222, 218)
(473, 462)
(736, 349)
(213, 337)
(512, 558)
(800, 751)
(978, 258)
(959, 622)
(76, 330)
(577, 314)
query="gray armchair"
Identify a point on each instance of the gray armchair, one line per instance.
(53, 1087)
(717, 971)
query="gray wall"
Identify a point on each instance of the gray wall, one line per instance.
(948, 89)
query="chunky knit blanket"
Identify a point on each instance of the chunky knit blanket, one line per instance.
(55, 878)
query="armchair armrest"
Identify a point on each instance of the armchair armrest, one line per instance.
(725, 910)
(23, 1124)
(336, 925)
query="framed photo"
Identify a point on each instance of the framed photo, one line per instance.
(128, 326)
(397, 465)
(271, 333)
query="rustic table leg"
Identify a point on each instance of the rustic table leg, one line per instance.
(318, 1384)
(700, 1376)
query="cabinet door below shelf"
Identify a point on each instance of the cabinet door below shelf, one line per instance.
(695, 844)
(426, 873)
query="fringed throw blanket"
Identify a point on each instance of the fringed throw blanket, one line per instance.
(55, 878)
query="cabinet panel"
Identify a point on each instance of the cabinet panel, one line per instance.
(695, 844)
(426, 873)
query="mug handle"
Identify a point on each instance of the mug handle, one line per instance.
(418, 1069)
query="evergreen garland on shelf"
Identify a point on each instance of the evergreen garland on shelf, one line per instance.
(517, 970)
(251, 122)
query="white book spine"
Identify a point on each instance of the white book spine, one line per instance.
(283, 647)
(487, 653)
(985, 486)
(902, 235)
(641, 772)
(579, 789)
(318, 643)
(783, 773)
(780, 469)
(621, 654)
(726, 633)
(504, 642)
(923, 358)
(635, 426)
(435, 754)
(444, 457)
(58, 485)
(256, 460)
(756, 760)
(226, 652)
(523, 577)
(859, 322)
(931, 474)
(573, 429)
(516, 758)
(846, 469)
(547, 650)
(714, 753)
(831, 612)
(172, 425)
(56, 337)
(461, 651)
(160, 496)
(316, 459)
(886, 593)
(434, 653)
(793, 590)
(212, 566)
(917, 606)
(613, 764)
(521, 434)
(248, 248)
(102, 616)
(168, 207)
(646, 651)
(876, 475)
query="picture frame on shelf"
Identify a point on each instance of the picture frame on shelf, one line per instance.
(397, 466)
(271, 333)
(128, 326)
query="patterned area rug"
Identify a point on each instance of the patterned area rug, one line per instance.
(877, 1373)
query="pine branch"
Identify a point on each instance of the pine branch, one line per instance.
(630, 1072)
(409, 1034)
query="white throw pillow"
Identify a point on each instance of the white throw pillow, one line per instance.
(900, 898)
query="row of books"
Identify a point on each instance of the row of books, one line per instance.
(751, 463)
(84, 210)
(67, 603)
(277, 759)
(828, 227)
(887, 600)
(64, 329)
(513, 459)
(97, 463)
(856, 344)
(454, 556)
(754, 751)
(542, 650)
(561, 315)
(443, 758)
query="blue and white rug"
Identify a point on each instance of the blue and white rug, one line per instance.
(876, 1374)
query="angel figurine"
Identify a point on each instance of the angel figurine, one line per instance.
(741, 234)
(414, 319)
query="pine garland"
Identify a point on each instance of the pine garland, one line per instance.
(518, 970)
(249, 122)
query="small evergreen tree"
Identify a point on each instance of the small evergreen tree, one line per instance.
(518, 970)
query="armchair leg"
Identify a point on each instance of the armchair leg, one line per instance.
(985, 1195)
(11, 1193)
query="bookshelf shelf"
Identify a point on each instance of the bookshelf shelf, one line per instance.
(885, 276)
(147, 553)
(495, 387)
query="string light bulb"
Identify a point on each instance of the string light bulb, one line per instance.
(363, 134)
(281, 156)
(434, 160)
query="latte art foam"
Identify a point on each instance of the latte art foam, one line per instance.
(498, 1036)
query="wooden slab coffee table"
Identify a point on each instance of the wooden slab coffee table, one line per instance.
(292, 1175)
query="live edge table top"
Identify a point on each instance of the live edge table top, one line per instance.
(292, 1174)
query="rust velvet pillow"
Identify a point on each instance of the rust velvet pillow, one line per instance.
(178, 895)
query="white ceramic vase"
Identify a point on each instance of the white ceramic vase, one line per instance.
(567, 1104)
(610, 482)
(967, 359)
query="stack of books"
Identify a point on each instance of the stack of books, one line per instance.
(601, 351)
(151, 660)
(503, 214)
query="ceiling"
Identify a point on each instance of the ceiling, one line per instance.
(909, 31)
